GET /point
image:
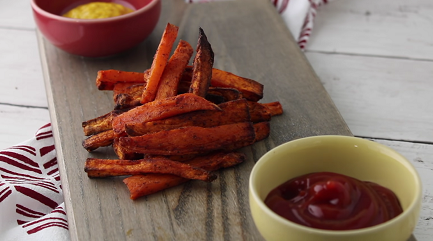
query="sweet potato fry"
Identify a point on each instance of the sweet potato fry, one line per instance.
(250, 89)
(97, 125)
(173, 123)
(106, 79)
(275, 108)
(259, 112)
(142, 185)
(98, 140)
(231, 112)
(100, 124)
(170, 78)
(202, 66)
(109, 168)
(160, 109)
(123, 88)
(129, 97)
(190, 140)
(123, 153)
(262, 130)
(159, 62)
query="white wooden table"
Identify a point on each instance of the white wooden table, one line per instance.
(375, 59)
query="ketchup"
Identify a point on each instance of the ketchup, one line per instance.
(332, 201)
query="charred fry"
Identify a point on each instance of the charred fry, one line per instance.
(123, 153)
(202, 67)
(142, 185)
(191, 140)
(109, 168)
(100, 124)
(129, 97)
(250, 89)
(160, 109)
(231, 112)
(99, 140)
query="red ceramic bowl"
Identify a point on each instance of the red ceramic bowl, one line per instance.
(98, 37)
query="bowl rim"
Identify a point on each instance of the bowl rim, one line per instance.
(260, 203)
(137, 12)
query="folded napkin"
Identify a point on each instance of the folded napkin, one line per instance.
(31, 197)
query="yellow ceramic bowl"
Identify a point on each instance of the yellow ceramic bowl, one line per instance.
(359, 158)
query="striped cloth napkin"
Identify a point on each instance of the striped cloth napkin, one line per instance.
(31, 197)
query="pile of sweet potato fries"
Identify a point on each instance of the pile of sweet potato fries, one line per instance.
(176, 122)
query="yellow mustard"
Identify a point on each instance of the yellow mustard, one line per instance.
(97, 10)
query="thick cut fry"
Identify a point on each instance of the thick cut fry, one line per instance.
(250, 89)
(202, 66)
(98, 140)
(142, 185)
(159, 62)
(130, 97)
(191, 139)
(109, 168)
(170, 78)
(232, 112)
(275, 108)
(107, 79)
(259, 112)
(97, 125)
(262, 130)
(123, 88)
(123, 153)
(160, 109)
(100, 124)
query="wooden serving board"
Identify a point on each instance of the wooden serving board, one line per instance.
(249, 39)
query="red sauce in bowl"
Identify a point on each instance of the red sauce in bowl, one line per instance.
(332, 201)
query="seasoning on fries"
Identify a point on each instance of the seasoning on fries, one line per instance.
(173, 123)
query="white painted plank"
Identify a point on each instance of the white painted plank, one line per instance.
(380, 97)
(16, 14)
(21, 79)
(421, 156)
(18, 124)
(398, 28)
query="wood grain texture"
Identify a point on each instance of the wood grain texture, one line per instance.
(249, 39)
(380, 97)
(387, 28)
(21, 75)
(16, 15)
(420, 155)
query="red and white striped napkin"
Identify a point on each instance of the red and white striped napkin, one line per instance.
(31, 197)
